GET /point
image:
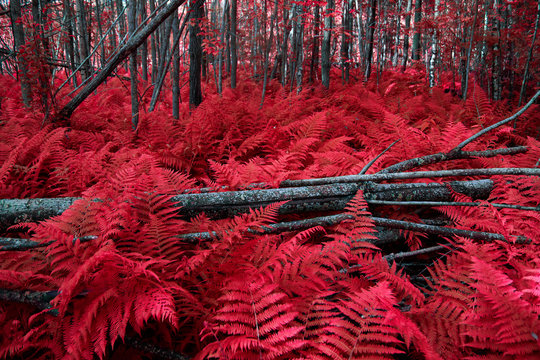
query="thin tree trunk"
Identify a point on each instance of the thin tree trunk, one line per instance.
(122, 53)
(406, 37)
(469, 50)
(40, 54)
(153, 48)
(176, 68)
(434, 48)
(529, 56)
(99, 9)
(396, 39)
(267, 51)
(84, 46)
(497, 54)
(327, 38)
(132, 24)
(19, 41)
(195, 54)
(416, 39)
(314, 66)
(346, 40)
(369, 40)
(284, 45)
(221, 50)
(144, 46)
(234, 49)
(299, 48)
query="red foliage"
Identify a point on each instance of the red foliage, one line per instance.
(322, 293)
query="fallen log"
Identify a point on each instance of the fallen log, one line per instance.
(330, 197)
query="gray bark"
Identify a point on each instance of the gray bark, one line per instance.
(325, 50)
(122, 53)
(84, 42)
(328, 197)
(416, 38)
(469, 50)
(406, 37)
(195, 54)
(144, 46)
(175, 78)
(369, 40)
(19, 41)
(133, 72)
(234, 49)
(529, 56)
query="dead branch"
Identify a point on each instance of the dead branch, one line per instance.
(456, 155)
(332, 197)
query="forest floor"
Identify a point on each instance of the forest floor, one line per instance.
(118, 267)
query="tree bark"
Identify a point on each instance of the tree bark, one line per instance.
(434, 48)
(234, 49)
(84, 42)
(176, 68)
(406, 37)
(326, 48)
(416, 50)
(195, 54)
(529, 56)
(329, 197)
(144, 46)
(314, 65)
(122, 53)
(19, 42)
(346, 40)
(465, 86)
(369, 40)
(133, 71)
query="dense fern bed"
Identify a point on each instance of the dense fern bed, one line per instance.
(114, 278)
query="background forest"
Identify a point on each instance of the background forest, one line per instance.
(269, 179)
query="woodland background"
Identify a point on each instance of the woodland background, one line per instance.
(231, 179)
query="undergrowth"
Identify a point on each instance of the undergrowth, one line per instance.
(323, 293)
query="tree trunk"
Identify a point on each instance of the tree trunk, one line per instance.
(19, 42)
(497, 54)
(434, 49)
(153, 48)
(346, 40)
(176, 68)
(144, 46)
(99, 10)
(267, 51)
(84, 42)
(327, 38)
(132, 24)
(122, 53)
(314, 66)
(234, 49)
(406, 37)
(529, 56)
(369, 40)
(70, 46)
(465, 86)
(195, 53)
(396, 39)
(221, 56)
(416, 49)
